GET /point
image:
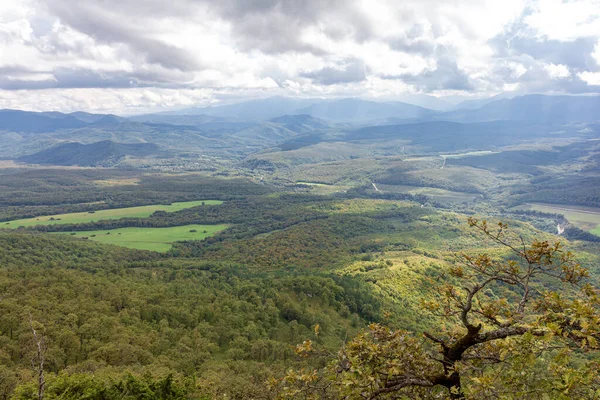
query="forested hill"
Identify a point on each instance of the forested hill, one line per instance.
(92, 154)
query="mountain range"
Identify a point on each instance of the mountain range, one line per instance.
(95, 154)
(233, 132)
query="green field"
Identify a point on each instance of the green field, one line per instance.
(155, 239)
(441, 195)
(586, 218)
(116, 213)
(469, 153)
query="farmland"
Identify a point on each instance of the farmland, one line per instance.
(441, 195)
(154, 239)
(116, 213)
(586, 218)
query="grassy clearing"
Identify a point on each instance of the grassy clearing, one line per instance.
(116, 213)
(441, 195)
(154, 239)
(117, 182)
(324, 189)
(312, 183)
(360, 206)
(469, 153)
(586, 218)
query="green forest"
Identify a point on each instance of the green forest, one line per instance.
(293, 287)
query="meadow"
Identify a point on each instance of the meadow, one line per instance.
(441, 195)
(154, 239)
(115, 213)
(586, 218)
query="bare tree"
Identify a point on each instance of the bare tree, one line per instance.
(38, 360)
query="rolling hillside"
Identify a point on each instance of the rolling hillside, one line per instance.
(90, 154)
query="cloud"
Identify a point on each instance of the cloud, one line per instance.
(556, 58)
(344, 72)
(557, 71)
(591, 78)
(446, 75)
(106, 26)
(327, 48)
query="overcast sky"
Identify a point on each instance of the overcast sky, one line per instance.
(139, 55)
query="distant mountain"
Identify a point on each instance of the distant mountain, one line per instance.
(177, 119)
(261, 109)
(34, 122)
(95, 118)
(357, 110)
(438, 136)
(108, 120)
(94, 154)
(31, 122)
(340, 110)
(478, 103)
(534, 108)
(426, 101)
(300, 123)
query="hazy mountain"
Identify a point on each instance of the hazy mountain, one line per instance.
(357, 110)
(279, 130)
(177, 119)
(478, 103)
(300, 123)
(344, 110)
(425, 101)
(95, 118)
(261, 109)
(440, 136)
(535, 108)
(89, 154)
(34, 122)
(24, 121)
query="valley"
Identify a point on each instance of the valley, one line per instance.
(586, 218)
(299, 200)
(201, 249)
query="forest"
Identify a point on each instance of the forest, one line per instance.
(300, 257)
(223, 316)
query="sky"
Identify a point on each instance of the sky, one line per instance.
(131, 56)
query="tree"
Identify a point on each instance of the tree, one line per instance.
(38, 360)
(480, 336)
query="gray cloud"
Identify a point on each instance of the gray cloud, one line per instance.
(275, 26)
(345, 72)
(66, 78)
(518, 40)
(413, 41)
(271, 26)
(446, 76)
(518, 44)
(107, 26)
(135, 44)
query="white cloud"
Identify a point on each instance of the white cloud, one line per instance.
(596, 53)
(559, 71)
(565, 20)
(591, 78)
(139, 55)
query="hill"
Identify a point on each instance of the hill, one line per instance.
(24, 121)
(534, 108)
(357, 110)
(95, 118)
(260, 109)
(300, 123)
(34, 122)
(89, 154)
(436, 136)
(342, 110)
